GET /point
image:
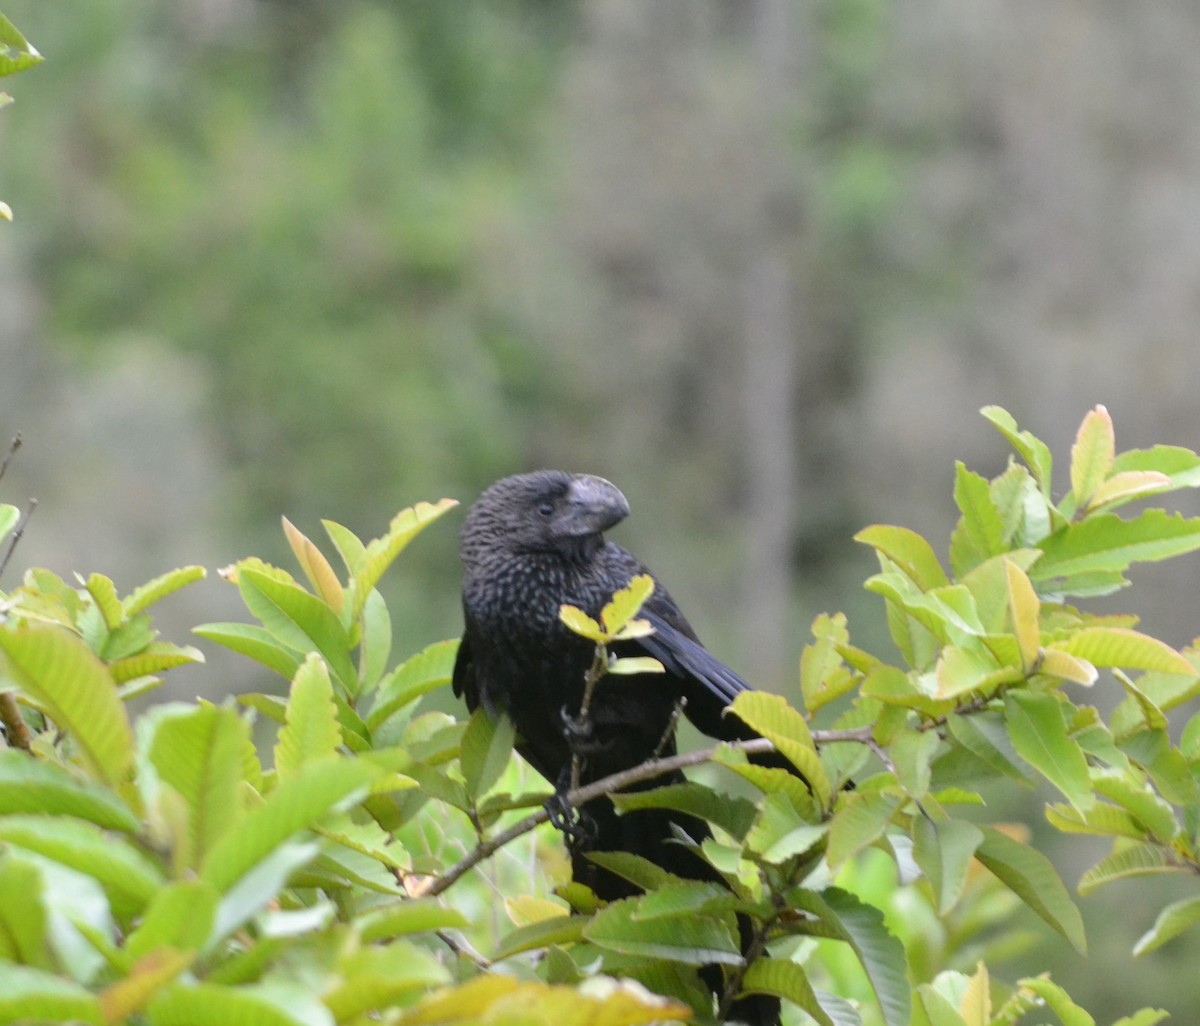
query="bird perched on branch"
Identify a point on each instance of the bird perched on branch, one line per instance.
(531, 543)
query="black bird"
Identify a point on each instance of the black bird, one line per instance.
(531, 543)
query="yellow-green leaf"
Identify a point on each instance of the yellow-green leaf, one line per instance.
(1039, 734)
(1024, 607)
(1092, 455)
(58, 670)
(310, 730)
(1122, 488)
(626, 603)
(316, 567)
(1120, 646)
(908, 550)
(582, 624)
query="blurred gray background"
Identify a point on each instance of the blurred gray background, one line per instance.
(759, 262)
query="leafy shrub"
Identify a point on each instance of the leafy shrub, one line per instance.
(379, 860)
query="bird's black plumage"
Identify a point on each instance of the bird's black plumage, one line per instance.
(531, 543)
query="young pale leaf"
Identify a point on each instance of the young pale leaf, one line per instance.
(1181, 465)
(824, 675)
(59, 671)
(846, 918)
(104, 594)
(786, 980)
(932, 1008)
(633, 665)
(1024, 608)
(10, 516)
(582, 624)
(962, 670)
(1092, 455)
(911, 553)
(1171, 922)
(33, 785)
(1145, 859)
(299, 620)
(316, 567)
(1038, 731)
(1033, 879)
(1106, 543)
(123, 999)
(1122, 488)
(486, 748)
(311, 729)
(200, 753)
(29, 995)
(318, 788)
(1056, 663)
(144, 597)
(1120, 646)
(1032, 450)
(626, 603)
(976, 1004)
(696, 940)
(944, 852)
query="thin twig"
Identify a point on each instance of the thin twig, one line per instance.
(583, 721)
(15, 728)
(13, 446)
(462, 949)
(17, 534)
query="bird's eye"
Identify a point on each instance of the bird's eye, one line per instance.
(546, 509)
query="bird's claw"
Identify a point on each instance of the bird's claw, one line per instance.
(578, 828)
(579, 733)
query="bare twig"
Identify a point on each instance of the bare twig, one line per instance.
(13, 446)
(582, 722)
(15, 727)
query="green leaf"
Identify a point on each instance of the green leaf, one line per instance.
(783, 831)
(697, 940)
(984, 738)
(1181, 465)
(104, 594)
(380, 553)
(154, 658)
(127, 876)
(979, 534)
(786, 980)
(430, 668)
(771, 716)
(909, 551)
(311, 730)
(210, 1004)
(10, 516)
(299, 620)
(376, 644)
(1033, 879)
(1092, 455)
(1032, 450)
(16, 52)
(59, 671)
(1136, 859)
(32, 785)
(181, 916)
(255, 642)
(200, 752)
(557, 930)
(860, 819)
(1143, 1017)
(375, 978)
(1038, 731)
(486, 748)
(405, 917)
(1106, 543)
(580, 623)
(317, 789)
(632, 665)
(1154, 814)
(30, 995)
(1171, 922)
(153, 591)
(944, 852)
(824, 676)
(1059, 1001)
(1119, 646)
(348, 545)
(846, 918)
(731, 814)
(22, 913)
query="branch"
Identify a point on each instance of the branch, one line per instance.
(15, 728)
(18, 533)
(13, 446)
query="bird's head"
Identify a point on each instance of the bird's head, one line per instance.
(543, 511)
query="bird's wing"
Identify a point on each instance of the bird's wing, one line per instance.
(463, 680)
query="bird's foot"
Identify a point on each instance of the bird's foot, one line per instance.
(579, 733)
(578, 828)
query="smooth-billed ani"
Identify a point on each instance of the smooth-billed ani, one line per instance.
(531, 543)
